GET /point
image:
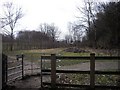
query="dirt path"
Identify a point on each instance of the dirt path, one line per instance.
(31, 68)
(98, 66)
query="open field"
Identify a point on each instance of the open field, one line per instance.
(32, 57)
(35, 55)
(58, 51)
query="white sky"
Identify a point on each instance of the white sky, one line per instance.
(36, 12)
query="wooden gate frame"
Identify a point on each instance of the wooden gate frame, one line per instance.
(92, 71)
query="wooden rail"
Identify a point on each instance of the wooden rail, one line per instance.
(92, 71)
(83, 72)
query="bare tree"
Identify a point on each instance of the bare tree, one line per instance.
(75, 30)
(51, 30)
(88, 16)
(68, 38)
(10, 19)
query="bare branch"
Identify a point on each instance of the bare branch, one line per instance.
(10, 19)
(11, 15)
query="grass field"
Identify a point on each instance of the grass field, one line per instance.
(35, 55)
(56, 51)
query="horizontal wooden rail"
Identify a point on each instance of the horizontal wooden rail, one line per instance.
(68, 71)
(67, 57)
(108, 72)
(84, 72)
(107, 57)
(83, 57)
(73, 57)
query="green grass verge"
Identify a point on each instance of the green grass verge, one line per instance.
(84, 79)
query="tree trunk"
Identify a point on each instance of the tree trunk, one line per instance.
(11, 44)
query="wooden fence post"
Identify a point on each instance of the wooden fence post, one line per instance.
(41, 73)
(4, 71)
(92, 70)
(118, 82)
(53, 71)
(6, 67)
(22, 67)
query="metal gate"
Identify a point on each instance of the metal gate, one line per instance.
(12, 68)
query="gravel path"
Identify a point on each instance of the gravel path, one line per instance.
(98, 66)
(31, 68)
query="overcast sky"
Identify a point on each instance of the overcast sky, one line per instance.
(36, 12)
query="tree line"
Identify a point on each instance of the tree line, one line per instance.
(45, 37)
(106, 27)
(97, 27)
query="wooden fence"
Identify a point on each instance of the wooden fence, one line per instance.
(92, 71)
(12, 69)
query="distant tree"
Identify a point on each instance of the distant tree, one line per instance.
(51, 30)
(107, 26)
(68, 38)
(77, 32)
(10, 19)
(33, 40)
(87, 18)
